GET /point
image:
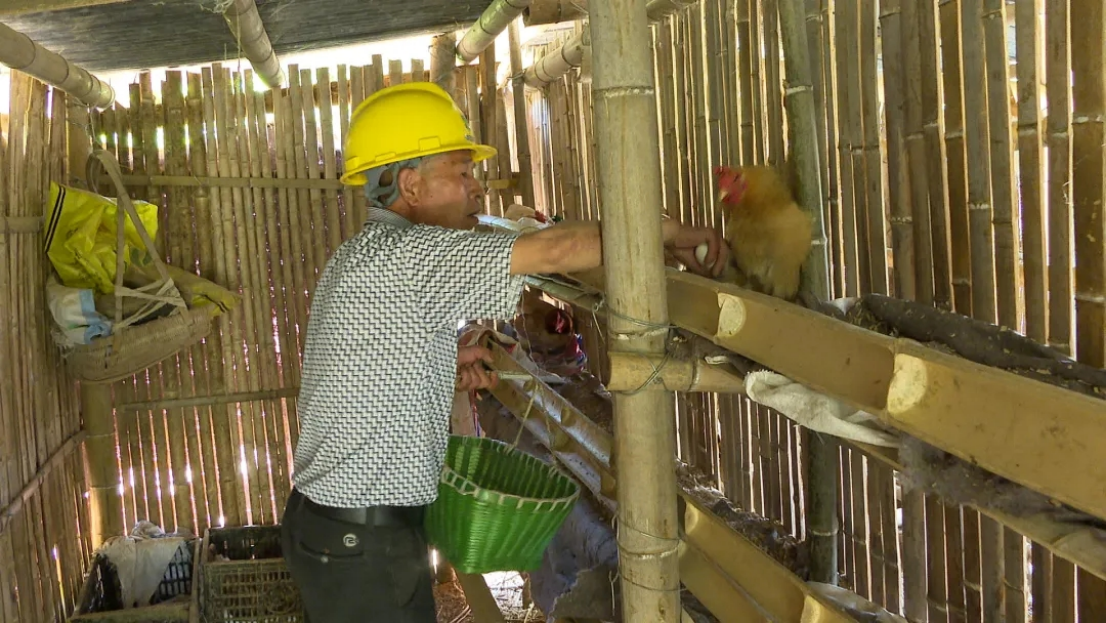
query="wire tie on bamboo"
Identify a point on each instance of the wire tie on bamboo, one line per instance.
(621, 91)
(979, 207)
(803, 88)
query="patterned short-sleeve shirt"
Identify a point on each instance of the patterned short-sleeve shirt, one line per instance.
(380, 357)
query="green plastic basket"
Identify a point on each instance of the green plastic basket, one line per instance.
(497, 508)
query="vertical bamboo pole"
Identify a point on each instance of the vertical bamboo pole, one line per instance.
(850, 194)
(1088, 190)
(1058, 64)
(956, 157)
(351, 221)
(105, 505)
(745, 76)
(922, 259)
(832, 90)
(630, 194)
(979, 164)
(769, 15)
(1030, 59)
(1008, 274)
(522, 143)
(932, 124)
(803, 137)
(488, 124)
(204, 453)
(898, 169)
(873, 155)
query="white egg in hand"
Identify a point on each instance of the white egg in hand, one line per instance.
(701, 254)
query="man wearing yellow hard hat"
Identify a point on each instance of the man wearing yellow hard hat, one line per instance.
(381, 361)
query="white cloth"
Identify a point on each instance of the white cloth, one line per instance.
(814, 410)
(141, 564)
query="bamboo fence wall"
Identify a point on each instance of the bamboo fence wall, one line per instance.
(960, 168)
(44, 519)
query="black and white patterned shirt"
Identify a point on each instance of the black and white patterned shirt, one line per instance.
(380, 357)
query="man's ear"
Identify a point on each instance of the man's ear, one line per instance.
(410, 185)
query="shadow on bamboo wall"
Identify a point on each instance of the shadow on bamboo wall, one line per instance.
(960, 168)
(44, 519)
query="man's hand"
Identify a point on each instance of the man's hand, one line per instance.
(471, 374)
(681, 241)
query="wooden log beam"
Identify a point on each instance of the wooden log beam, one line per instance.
(18, 7)
(19, 52)
(253, 41)
(491, 24)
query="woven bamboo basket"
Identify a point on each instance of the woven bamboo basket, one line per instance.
(133, 347)
(497, 507)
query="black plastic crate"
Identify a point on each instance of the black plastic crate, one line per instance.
(244, 579)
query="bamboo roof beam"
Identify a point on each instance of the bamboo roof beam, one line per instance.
(253, 41)
(491, 24)
(19, 52)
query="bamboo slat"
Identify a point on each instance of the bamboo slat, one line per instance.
(959, 229)
(1031, 177)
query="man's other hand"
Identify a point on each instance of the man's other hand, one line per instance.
(471, 373)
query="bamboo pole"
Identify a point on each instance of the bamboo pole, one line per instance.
(253, 41)
(821, 474)
(1088, 191)
(1007, 230)
(979, 164)
(960, 247)
(629, 190)
(105, 505)
(1030, 59)
(490, 123)
(873, 152)
(772, 83)
(921, 262)
(932, 124)
(491, 24)
(19, 52)
(522, 143)
(898, 170)
(1058, 63)
(557, 63)
(443, 61)
(850, 194)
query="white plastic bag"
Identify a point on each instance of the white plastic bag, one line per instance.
(74, 312)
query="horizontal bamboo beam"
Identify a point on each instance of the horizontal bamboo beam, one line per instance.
(248, 30)
(206, 401)
(630, 372)
(491, 24)
(17, 7)
(557, 62)
(736, 580)
(16, 505)
(1035, 434)
(19, 52)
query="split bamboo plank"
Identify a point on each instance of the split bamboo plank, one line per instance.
(290, 224)
(920, 263)
(898, 165)
(311, 142)
(351, 221)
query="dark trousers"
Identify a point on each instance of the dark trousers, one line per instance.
(352, 572)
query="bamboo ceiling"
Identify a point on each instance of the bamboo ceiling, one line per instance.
(159, 33)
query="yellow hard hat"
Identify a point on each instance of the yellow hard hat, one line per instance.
(406, 121)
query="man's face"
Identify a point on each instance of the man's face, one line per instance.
(449, 194)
